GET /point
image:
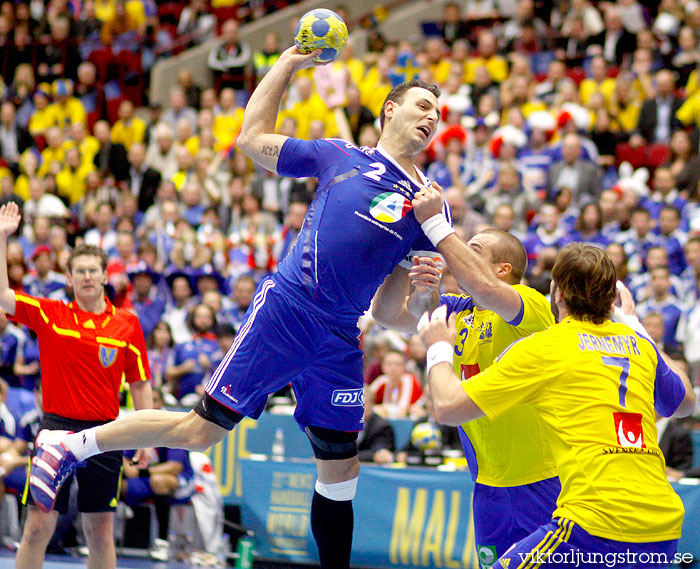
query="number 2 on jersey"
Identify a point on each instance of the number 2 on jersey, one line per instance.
(623, 363)
(376, 174)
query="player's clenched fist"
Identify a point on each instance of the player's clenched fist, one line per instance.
(427, 202)
(436, 327)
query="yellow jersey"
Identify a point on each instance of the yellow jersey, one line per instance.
(595, 386)
(495, 458)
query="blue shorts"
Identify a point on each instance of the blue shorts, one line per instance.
(505, 515)
(281, 342)
(561, 543)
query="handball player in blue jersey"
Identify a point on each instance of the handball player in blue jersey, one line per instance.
(302, 324)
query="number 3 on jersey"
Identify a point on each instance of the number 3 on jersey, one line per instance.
(623, 363)
(377, 173)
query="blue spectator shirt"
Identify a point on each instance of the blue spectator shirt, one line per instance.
(201, 344)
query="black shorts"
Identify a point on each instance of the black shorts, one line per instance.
(98, 480)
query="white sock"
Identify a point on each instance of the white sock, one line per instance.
(82, 444)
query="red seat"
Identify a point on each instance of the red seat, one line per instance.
(576, 74)
(225, 13)
(657, 154)
(129, 74)
(169, 13)
(101, 58)
(113, 109)
(637, 157)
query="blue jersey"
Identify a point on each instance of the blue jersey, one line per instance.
(357, 229)
(201, 344)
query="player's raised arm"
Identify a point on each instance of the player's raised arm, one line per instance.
(394, 307)
(471, 270)
(9, 221)
(257, 138)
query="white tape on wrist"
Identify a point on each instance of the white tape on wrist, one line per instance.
(440, 352)
(436, 228)
(629, 320)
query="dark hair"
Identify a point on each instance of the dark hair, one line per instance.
(161, 324)
(190, 316)
(398, 93)
(640, 209)
(671, 208)
(395, 351)
(586, 277)
(508, 249)
(692, 239)
(622, 271)
(87, 251)
(579, 226)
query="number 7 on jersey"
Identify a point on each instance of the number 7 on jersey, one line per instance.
(623, 363)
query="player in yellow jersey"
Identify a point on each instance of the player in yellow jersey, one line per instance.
(515, 483)
(596, 385)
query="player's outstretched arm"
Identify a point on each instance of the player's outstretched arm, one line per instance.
(473, 273)
(449, 402)
(687, 406)
(9, 221)
(395, 306)
(257, 138)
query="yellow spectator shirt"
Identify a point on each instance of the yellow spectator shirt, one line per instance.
(495, 65)
(48, 156)
(72, 183)
(373, 91)
(227, 127)
(589, 87)
(68, 112)
(305, 112)
(595, 388)
(88, 148)
(128, 133)
(495, 457)
(41, 120)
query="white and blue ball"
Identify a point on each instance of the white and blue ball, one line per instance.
(321, 29)
(426, 436)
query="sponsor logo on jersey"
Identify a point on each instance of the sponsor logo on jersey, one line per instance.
(469, 370)
(628, 428)
(107, 356)
(487, 555)
(226, 390)
(389, 207)
(348, 397)
(485, 332)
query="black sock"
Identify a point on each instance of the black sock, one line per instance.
(162, 507)
(332, 524)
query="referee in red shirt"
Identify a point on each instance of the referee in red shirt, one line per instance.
(85, 348)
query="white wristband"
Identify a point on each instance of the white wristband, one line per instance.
(629, 320)
(436, 228)
(440, 352)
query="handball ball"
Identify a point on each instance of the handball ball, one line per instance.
(426, 436)
(321, 29)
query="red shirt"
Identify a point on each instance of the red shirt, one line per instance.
(83, 355)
